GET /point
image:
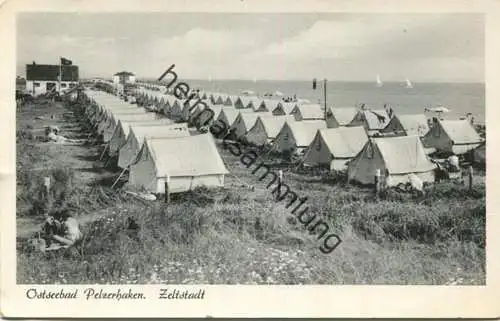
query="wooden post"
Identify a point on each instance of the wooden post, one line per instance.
(324, 93)
(471, 177)
(280, 181)
(377, 182)
(167, 190)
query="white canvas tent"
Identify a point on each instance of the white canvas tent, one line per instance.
(372, 120)
(245, 121)
(297, 136)
(308, 112)
(334, 147)
(284, 108)
(243, 102)
(108, 131)
(267, 105)
(227, 116)
(183, 162)
(336, 117)
(266, 129)
(407, 125)
(395, 157)
(128, 152)
(121, 132)
(452, 136)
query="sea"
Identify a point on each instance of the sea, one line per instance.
(459, 98)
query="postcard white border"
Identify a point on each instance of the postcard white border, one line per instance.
(254, 301)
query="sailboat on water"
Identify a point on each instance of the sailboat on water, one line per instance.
(379, 82)
(254, 79)
(408, 83)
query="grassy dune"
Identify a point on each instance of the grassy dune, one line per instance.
(240, 235)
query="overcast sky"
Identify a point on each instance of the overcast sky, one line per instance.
(338, 46)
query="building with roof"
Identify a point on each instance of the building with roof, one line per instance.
(124, 77)
(41, 79)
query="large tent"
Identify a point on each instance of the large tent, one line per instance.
(244, 121)
(183, 163)
(395, 157)
(336, 117)
(128, 152)
(226, 117)
(297, 136)
(407, 125)
(243, 102)
(284, 108)
(452, 136)
(267, 105)
(308, 112)
(372, 120)
(334, 147)
(121, 132)
(266, 129)
(108, 131)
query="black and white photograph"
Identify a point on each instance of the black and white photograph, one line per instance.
(248, 148)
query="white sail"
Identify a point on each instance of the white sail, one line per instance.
(408, 83)
(209, 78)
(379, 82)
(254, 79)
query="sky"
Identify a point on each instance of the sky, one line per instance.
(423, 47)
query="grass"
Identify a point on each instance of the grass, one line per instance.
(240, 235)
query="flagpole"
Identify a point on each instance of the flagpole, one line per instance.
(324, 92)
(60, 73)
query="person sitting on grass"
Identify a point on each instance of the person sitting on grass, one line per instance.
(60, 231)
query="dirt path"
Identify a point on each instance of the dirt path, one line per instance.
(83, 159)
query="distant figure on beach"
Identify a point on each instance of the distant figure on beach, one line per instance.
(363, 107)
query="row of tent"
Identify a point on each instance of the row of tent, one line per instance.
(337, 145)
(154, 149)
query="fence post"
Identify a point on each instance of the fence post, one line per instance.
(471, 177)
(280, 181)
(377, 182)
(167, 190)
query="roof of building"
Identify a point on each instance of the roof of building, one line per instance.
(124, 73)
(36, 72)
